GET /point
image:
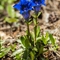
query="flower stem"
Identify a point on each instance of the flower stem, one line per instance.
(35, 30)
(28, 31)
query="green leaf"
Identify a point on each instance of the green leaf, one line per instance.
(34, 21)
(35, 49)
(10, 1)
(22, 40)
(45, 38)
(26, 55)
(10, 20)
(13, 47)
(32, 55)
(38, 39)
(18, 56)
(34, 15)
(32, 35)
(10, 11)
(17, 52)
(1, 7)
(38, 31)
(25, 41)
(4, 52)
(41, 49)
(52, 39)
(19, 41)
(39, 14)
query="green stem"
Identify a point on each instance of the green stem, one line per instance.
(28, 32)
(0, 44)
(35, 30)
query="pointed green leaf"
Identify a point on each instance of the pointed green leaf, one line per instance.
(10, 20)
(34, 21)
(4, 51)
(39, 14)
(17, 52)
(38, 31)
(32, 55)
(52, 39)
(10, 11)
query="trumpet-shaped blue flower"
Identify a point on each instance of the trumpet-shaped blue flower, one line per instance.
(24, 6)
(37, 4)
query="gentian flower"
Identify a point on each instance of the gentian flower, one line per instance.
(24, 6)
(37, 4)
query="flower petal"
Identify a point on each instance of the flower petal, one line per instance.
(17, 6)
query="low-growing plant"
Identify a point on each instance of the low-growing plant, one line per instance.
(33, 50)
(3, 50)
(33, 44)
(7, 9)
(7, 6)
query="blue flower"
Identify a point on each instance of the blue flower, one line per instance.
(37, 4)
(24, 6)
